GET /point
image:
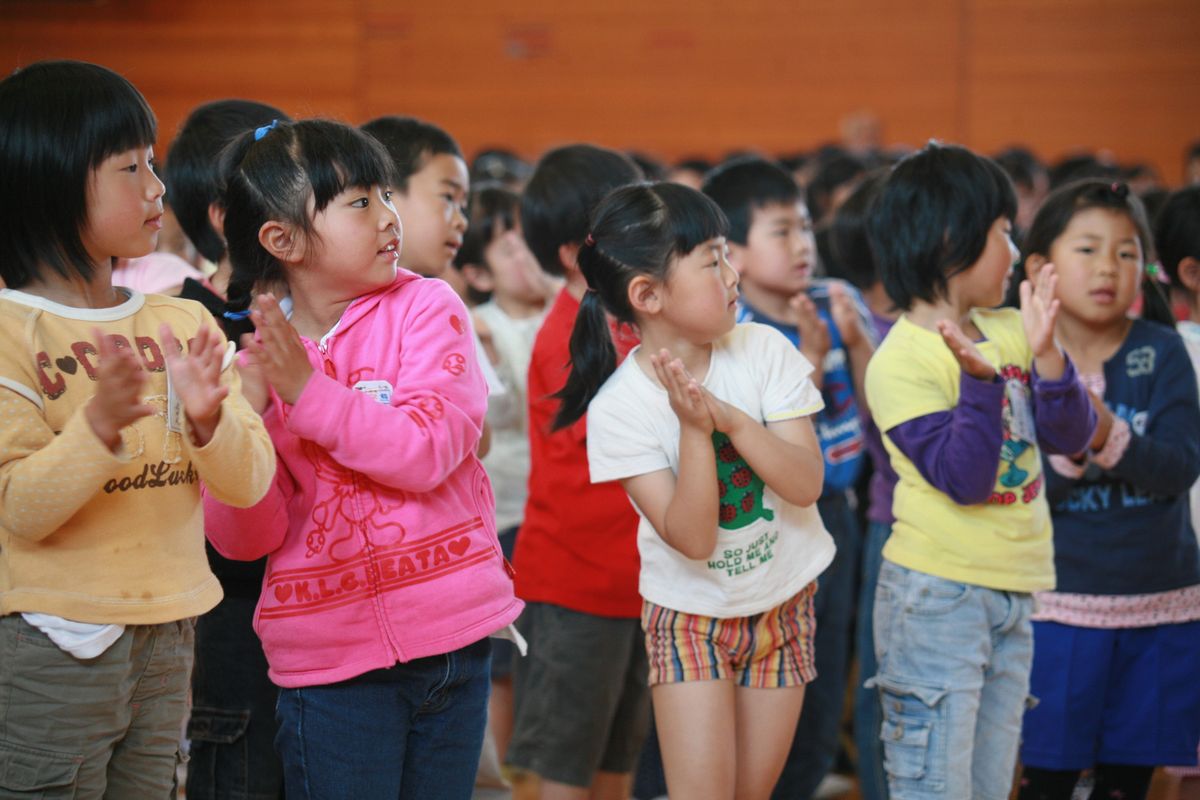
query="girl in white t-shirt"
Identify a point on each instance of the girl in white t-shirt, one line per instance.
(724, 469)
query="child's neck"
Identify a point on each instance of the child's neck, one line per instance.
(928, 315)
(314, 313)
(517, 308)
(772, 304)
(219, 280)
(877, 300)
(657, 337)
(1089, 346)
(76, 292)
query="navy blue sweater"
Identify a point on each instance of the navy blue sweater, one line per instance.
(1127, 530)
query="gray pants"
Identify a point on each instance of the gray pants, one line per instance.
(107, 727)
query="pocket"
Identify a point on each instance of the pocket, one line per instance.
(930, 595)
(913, 721)
(38, 773)
(217, 725)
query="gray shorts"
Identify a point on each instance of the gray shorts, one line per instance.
(105, 727)
(581, 699)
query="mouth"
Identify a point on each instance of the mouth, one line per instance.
(155, 222)
(390, 250)
(453, 245)
(1103, 296)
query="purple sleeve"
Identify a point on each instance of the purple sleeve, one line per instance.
(1065, 418)
(958, 451)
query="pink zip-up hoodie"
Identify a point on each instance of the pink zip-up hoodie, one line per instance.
(380, 527)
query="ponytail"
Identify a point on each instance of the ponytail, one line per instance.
(1156, 306)
(593, 359)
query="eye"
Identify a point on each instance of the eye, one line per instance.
(1130, 255)
(362, 202)
(1085, 250)
(387, 195)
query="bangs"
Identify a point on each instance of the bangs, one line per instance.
(123, 122)
(694, 217)
(337, 157)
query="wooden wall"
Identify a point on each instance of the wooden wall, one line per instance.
(671, 77)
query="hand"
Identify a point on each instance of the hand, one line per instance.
(117, 401)
(684, 393)
(846, 317)
(1104, 423)
(725, 417)
(254, 384)
(277, 350)
(965, 352)
(1039, 311)
(196, 378)
(814, 333)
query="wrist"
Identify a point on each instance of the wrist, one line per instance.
(105, 431)
(290, 393)
(1051, 364)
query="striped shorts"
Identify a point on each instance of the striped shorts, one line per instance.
(769, 650)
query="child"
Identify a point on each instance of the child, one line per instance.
(848, 238)
(581, 702)
(771, 246)
(1117, 643)
(724, 473)
(384, 577)
(1177, 236)
(965, 398)
(233, 701)
(109, 427)
(500, 270)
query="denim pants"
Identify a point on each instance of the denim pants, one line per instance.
(954, 664)
(868, 712)
(413, 731)
(815, 745)
(232, 726)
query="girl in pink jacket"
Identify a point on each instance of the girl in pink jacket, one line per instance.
(384, 576)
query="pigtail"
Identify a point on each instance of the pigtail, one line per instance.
(593, 360)
(1156, 306)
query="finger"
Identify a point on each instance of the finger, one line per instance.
(170, 344)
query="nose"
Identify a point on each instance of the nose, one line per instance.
(155, 188)
(731, 275)
(459, 219)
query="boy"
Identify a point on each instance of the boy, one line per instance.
(771, 246)
(233, 701)
(581, 699)
(430, 194)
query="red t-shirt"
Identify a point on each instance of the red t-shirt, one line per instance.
(578, 542)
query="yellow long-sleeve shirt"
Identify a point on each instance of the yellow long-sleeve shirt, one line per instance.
(96, 536)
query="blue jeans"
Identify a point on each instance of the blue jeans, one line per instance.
(868, 712)
(413, 731)
(815, 745)
(954, 663)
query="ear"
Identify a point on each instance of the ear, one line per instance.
(1033, 265)
(479, 277)
(216, 218)
(645, 295)
(280, 241)
(737, 257)
(568, 256)
(1189, 274)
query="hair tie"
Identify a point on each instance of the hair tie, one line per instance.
(264, 130)
(235, 316)
(590, 241)
(1119, 189)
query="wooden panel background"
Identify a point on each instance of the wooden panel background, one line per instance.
(671, 77)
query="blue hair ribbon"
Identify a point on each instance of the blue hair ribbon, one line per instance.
(235, 316)
(264, 130)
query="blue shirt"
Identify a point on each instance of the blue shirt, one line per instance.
(840, 428)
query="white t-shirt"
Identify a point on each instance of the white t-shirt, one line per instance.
(767, 549)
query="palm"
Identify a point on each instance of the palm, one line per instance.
(196, 376)
(1039, 310)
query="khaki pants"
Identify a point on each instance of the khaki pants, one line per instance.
(107, 727)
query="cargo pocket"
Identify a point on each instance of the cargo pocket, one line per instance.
(37, 773)
(219, 755)
(912, 715)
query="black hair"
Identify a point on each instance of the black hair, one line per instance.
(1021, 165)
(848, 233)
(742, 186)
(193, 183)
(493, 211)
(566, 185)
(1064, 203)
(59, 120)
(695, 164)
(652, 169)
(499, 165)
(1177, 233)
(636, 230)
(1081, 166)
(932, 217)
(273, 176)
(411, 143)
(831, 173)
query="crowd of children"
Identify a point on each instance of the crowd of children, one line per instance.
(588, 465)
